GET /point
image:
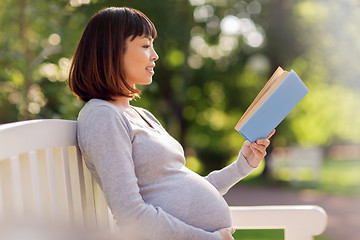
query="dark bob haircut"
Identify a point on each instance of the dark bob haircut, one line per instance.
(96, 70)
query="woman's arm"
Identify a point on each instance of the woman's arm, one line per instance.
(105, 139)
(227, 177)
(249, 158)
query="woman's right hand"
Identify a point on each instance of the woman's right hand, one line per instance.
(226, 233)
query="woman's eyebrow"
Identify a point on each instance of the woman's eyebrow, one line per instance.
(150, 38)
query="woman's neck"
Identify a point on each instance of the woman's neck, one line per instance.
(121, 102)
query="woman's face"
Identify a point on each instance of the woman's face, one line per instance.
(139, 60)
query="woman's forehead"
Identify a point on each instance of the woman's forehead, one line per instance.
(146, 37)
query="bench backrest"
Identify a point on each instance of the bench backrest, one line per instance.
(43, 178)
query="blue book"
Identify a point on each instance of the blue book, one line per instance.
(279, 96)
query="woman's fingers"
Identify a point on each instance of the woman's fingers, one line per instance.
(226, 233)
(259, 147)
(259, 153)
(256, 151)
(263, 142)
(271, 134)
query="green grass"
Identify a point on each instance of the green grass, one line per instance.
(265, 234)
(259, 234)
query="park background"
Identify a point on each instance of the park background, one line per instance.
(215, 56)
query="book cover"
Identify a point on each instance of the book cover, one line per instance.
(276, 100)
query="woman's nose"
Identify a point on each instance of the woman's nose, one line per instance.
(154, 55)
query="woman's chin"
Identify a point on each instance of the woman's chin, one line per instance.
(145, 83)
(148, 82)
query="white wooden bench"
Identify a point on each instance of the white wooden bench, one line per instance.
(43, 179)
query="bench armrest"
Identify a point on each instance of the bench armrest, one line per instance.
(300, 222)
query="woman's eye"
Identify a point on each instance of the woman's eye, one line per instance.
(147, 46)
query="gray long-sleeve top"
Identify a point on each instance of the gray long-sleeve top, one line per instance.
(141, 170)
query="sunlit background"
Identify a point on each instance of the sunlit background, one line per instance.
(215, 56)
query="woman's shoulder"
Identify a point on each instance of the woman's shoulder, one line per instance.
(99, 106)
(100, 111)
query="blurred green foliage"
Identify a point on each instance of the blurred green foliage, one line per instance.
(215, 56)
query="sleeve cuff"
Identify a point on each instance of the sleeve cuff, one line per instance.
(243, 166)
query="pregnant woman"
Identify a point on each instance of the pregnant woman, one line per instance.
(139, 166)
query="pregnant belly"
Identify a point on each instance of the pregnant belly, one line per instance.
(190, 198)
